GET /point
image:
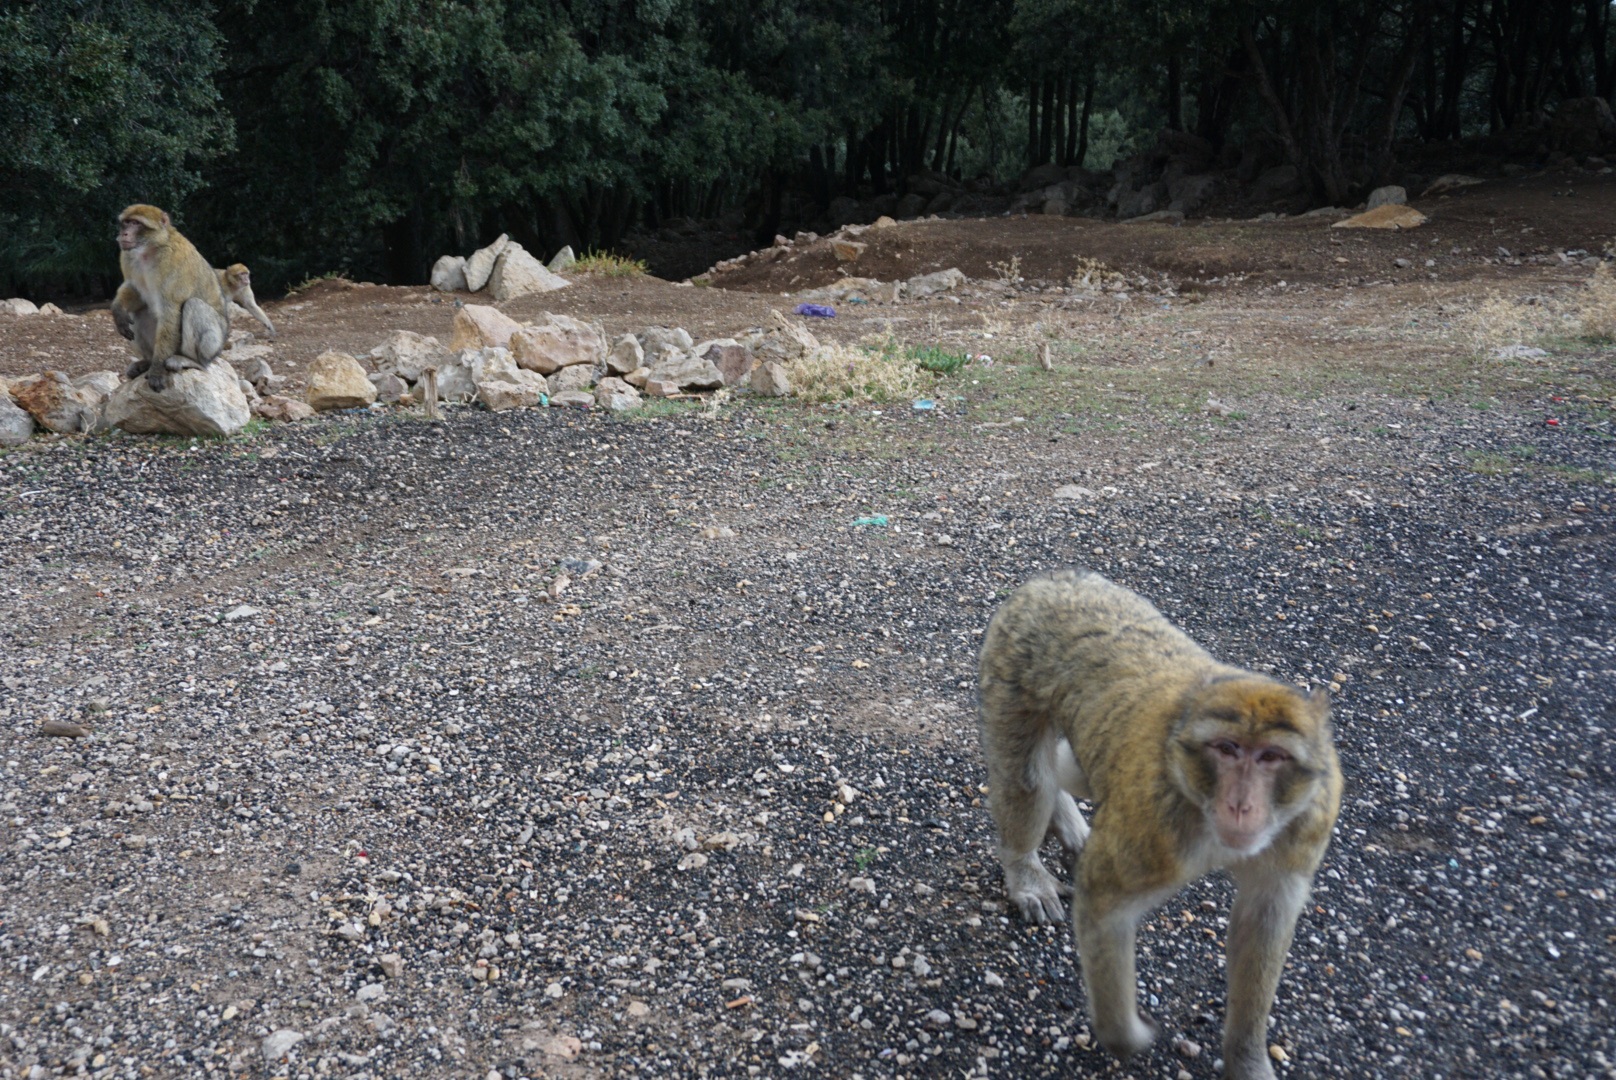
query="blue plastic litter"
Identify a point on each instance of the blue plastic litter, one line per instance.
(878, 520)
(924, 404)
(816, 311)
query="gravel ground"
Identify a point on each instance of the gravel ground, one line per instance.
(363, 798)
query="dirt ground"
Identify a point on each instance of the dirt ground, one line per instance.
(553, 744)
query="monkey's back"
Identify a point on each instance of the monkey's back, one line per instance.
(1078, 652)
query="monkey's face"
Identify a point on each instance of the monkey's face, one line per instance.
(131, 232)
(1251, 753)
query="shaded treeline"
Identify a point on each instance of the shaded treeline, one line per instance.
(370, 136)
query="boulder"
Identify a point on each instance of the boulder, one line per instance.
(406, 354)
(842, 211)
(1041, 176)
(52, 309)
(771, 380)
(911, 206)
(337, 381)
(478, 326)
(1147, 200)
(1170, 217)
(1187, 194)
(563, 259)
(1279, 182)
(686, 371)
(847, 250)
(455, 383)
(500, 383)
(941, 202)
(1390, 216)
(733, 360)
(57, 405)
(1390, 195)
(16, 426)
(577, 377)
(18, 306)
(481, 264)
(558, 342)
(248, 391)
(102, 383)
(637, 377)
(1581, 126)
(931, 284)
(782, 340)
(882, 222)
(626, 355)
(449, 274)
(389, 387)
(615, 395)
(573, 399)
(517, 273)
(658, 342)
(282, 409)
(197, 401)
(856, 290)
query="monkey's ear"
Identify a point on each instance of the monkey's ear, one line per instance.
(166, 222)
(1319, 698)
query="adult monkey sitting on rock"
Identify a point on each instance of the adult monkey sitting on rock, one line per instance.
(170, 303)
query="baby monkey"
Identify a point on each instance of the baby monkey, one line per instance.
(1195, 766)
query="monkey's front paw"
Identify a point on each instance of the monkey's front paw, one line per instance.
(1129, 1038)
(1036, 893)
(136, 369)
(157, 378)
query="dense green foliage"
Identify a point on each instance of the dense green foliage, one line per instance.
(370, 136)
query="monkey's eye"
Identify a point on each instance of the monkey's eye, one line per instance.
(1272, 755)
(1225, 748)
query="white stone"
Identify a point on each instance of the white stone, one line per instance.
(406, 354)
(626, 355)
(206, 401)
(615, 395)
(449, 274)
(481, 264)
(18, 306)
(16, 426)
(1390, 195)
(338, 381)
(557, 342)
(563, 259)
(280, 1043)
(517, 273)
(932, 284)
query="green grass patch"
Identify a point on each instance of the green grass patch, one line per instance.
(608, 264)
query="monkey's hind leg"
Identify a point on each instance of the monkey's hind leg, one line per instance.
(203, 333)
(1027, 803)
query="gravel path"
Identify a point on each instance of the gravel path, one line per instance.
(363, 799)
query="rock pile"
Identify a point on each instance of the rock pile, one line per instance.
(562, 361)
(505, 268)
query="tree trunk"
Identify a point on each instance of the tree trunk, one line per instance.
(1058, 139)
(1175, 93)
(1045, 122)
(1032, 123)
(1379, 150)
(1083, 124)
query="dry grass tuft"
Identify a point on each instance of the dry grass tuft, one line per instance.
(850, 373)
(1496, 322)
(609, 265)
(1596, 314)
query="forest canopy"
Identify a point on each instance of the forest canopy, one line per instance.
(370, 136)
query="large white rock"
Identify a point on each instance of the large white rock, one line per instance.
(454, 383)
(1390, 195)
(563, 259)
(781, 340)
(932, 284)
(338, 381)
(770, 379)
(687, 371)
(577, 377)
(206, 401)
(660, 342)
(558, 342)
(449, 274)
(18, 306)
(517, 273)
(481, 263)
(478, 326)
(16, 426)
(501, 384)
(616, 395)
(626, 355)
(406, 354)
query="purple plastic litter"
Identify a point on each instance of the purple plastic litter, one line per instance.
(816, 311)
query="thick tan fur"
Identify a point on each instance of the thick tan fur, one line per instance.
(1088, 691)
(167, 295)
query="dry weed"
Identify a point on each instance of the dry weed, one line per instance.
(1094, 274)
(1497, 322)
(850, 373)
(1596, 314)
